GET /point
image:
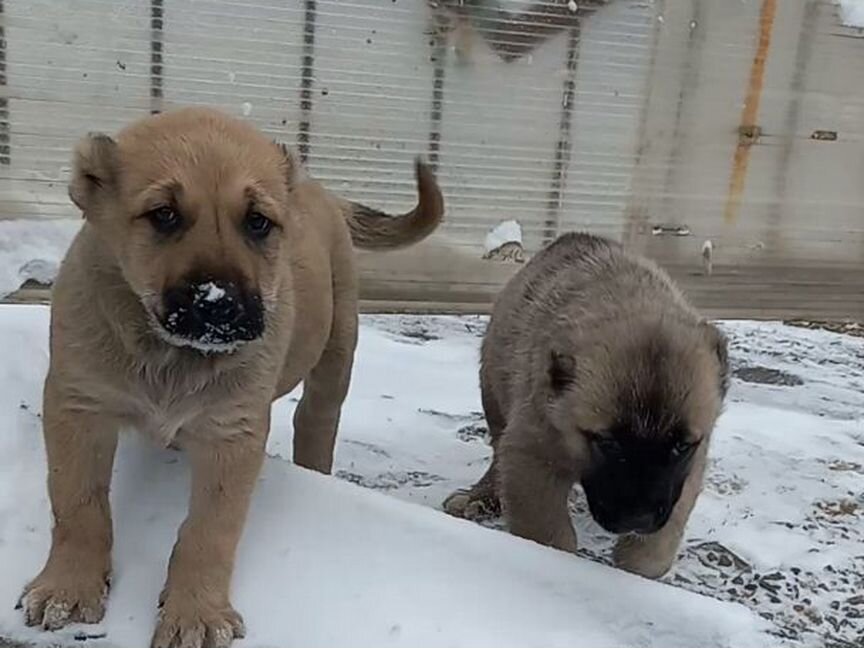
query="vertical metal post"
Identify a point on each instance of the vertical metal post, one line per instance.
(5, 139)
(157, 69)
(436, 112)
(562, 147)
(307, 80)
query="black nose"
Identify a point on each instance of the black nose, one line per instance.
(217, 303)
(212, 313)
(629, 520)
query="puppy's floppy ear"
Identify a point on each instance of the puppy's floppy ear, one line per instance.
(95, 167)
(294, 171)
(720, 345)
(562, 371)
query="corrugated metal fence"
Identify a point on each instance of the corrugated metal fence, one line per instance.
(670, 125)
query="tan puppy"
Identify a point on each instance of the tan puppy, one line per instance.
(211, 276)
(596, 370)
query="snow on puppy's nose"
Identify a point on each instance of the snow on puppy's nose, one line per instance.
(212, 314)
(216, 303)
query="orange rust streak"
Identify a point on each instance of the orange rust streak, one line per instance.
(751, 110)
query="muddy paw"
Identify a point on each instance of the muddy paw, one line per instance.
(466, 504)
(187, 622)
(54, 600)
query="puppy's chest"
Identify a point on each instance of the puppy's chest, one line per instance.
(162, 419)
(163, 411)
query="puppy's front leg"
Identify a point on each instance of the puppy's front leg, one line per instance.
(534, 497)
(195, 610)
(73, 584)
(652, 555)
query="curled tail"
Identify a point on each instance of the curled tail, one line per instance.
(374, 230)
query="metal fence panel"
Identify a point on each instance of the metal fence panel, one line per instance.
(670, 125)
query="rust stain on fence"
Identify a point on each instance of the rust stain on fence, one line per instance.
(748, 130)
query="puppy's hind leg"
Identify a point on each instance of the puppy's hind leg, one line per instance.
(317, 416)
(74, 582)
(652, 555)
(481, 501)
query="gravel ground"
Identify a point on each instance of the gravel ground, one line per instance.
(805, 369)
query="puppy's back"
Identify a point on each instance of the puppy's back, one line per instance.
(580, 269)
(577, 278)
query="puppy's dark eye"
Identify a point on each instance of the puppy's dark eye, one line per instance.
(258, 225)
(164, 220)
(684, 448)
(601, 442)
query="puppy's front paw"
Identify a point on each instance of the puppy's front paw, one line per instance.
(647, 556)
(64, 594)
(187, 620)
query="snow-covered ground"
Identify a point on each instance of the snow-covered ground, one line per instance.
(774, 553)
(852, 12)
(32, 249)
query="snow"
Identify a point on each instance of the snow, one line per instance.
(505, 232)
(852, 12)
(32, 249)
(367, 558)
(210, 292)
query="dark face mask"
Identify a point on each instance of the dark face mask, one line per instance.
(633, 484)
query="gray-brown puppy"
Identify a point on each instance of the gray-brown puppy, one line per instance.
(596, 370)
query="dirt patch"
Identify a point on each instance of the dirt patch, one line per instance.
(846, 328)
(389, 480)
(767, 376)
(846, 466)
(473, 432)
(420, 333)
(9, 643)
(451, 416)
(842, 508)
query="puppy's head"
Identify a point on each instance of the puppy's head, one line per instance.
(193, 205)
(638, 401)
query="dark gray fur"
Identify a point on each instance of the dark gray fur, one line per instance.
(596, 370)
